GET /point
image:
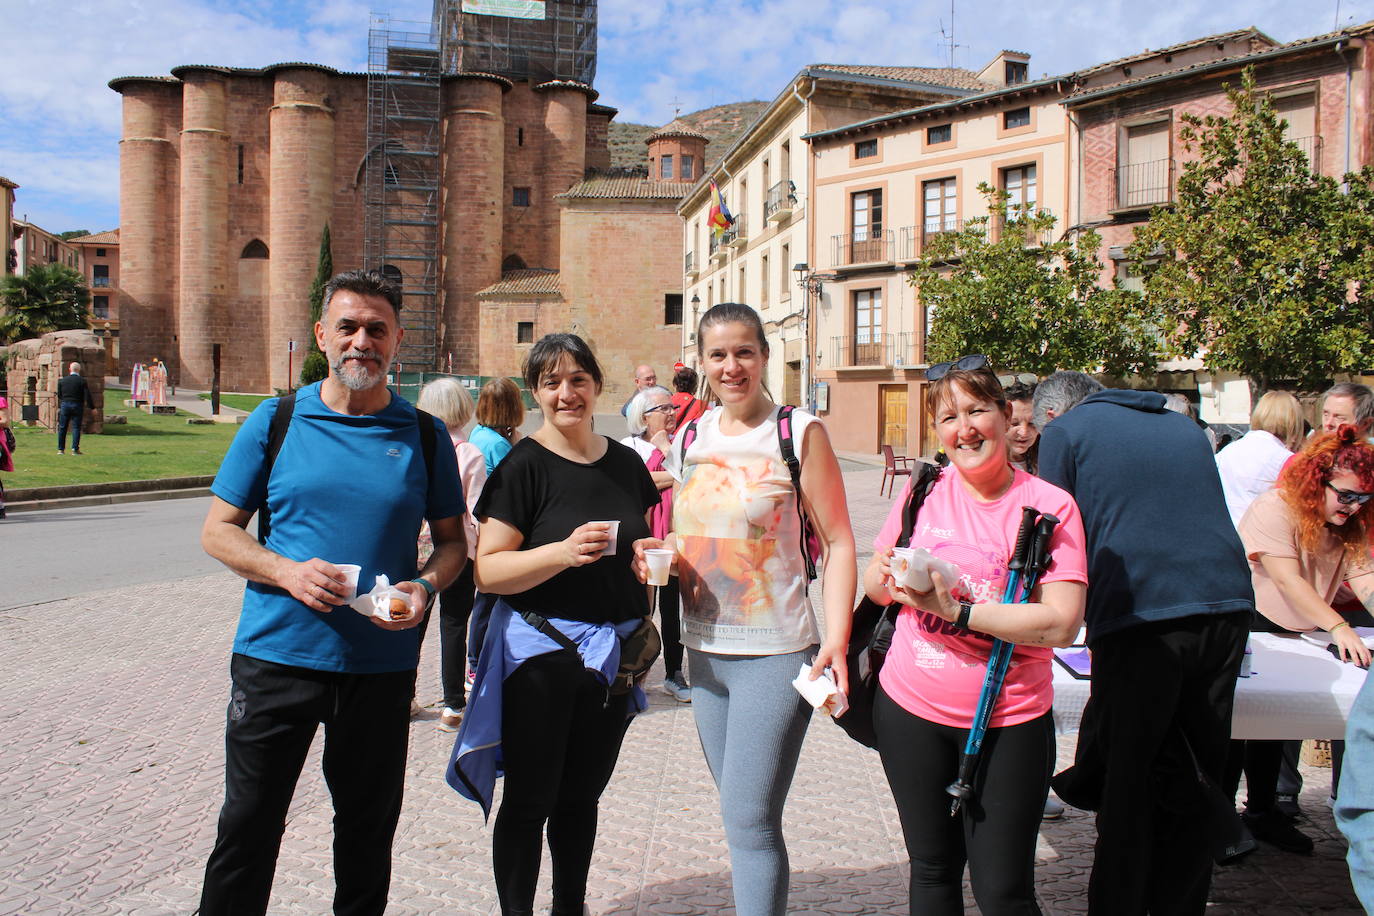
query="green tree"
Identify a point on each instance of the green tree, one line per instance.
(73, 234)
(316, 367)
(1261, 267)
(1026, 300)
(49, 297)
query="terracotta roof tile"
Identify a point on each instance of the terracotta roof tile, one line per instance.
(678, 128)
(1174, 49)
(108, 237)
(526, 282)
(954, 77)
(628, 188)
(6, 183)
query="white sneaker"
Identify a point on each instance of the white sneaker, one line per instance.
(450, 719)
(677, 688)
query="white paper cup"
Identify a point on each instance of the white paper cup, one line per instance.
(901, 565)
(660, 564)
(615, 529)
(350, 572)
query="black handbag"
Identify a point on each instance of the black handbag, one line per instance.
(872, 626)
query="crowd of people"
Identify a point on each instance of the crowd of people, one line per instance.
(1052, 511)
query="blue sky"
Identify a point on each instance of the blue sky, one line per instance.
(59, 123)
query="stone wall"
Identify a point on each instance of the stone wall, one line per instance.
(36, 365)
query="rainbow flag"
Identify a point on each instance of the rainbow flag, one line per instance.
(720, 218)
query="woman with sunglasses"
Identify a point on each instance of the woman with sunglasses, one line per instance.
(1305, 539)
(747, 621)
(933, 676)
(651, 418)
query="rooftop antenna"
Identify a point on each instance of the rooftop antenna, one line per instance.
(948, 34)
(677, 107)
(1336, 26)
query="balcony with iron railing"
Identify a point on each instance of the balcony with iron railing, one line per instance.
(1031, 237)
(715, 249)
(782, 198)
(856, 248)
(100, 282)
(1311, 148)
(872, 350)
(738, 232)
(689, 263)
(1142, 185)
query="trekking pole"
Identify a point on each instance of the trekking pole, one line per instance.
(962, 788)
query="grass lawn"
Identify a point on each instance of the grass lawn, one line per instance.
(146, 448)
(238, 401)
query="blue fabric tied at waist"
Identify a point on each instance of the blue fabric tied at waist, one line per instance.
(476, 760)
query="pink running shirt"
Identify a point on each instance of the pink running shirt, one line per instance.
(935, 670)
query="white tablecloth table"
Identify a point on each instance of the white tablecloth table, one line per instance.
(1296, 690)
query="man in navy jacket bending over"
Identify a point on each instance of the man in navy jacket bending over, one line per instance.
(1169, 605)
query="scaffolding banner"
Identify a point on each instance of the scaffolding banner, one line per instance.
(511, 9)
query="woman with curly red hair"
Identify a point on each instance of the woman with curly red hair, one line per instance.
(1304, 539)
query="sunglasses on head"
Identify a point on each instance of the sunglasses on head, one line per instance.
(966, 363)
(1349, 497)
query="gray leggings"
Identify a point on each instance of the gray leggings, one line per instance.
(751, 722)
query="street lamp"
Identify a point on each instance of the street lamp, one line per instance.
(696, 307)
(811, 283)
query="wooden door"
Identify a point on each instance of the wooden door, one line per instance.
(791, 384)
(894, 420)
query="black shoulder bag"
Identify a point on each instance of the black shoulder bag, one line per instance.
(871, 629)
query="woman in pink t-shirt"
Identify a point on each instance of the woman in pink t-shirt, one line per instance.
(930, 682)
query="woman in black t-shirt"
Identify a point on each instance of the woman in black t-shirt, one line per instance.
(545, 546)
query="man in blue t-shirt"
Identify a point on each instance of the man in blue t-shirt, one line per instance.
(1169, 604)
(349, 486)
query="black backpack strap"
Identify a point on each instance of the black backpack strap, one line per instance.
(276, 435)
(787, 446)
(427, 439)
(921, 486)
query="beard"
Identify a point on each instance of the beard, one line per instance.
(358, 377)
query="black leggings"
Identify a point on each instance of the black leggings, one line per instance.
(560, 738)
(996, 832)
(670, 621)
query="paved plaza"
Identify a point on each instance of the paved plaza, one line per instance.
(111, 778)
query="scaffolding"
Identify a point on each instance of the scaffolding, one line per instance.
(519, 39)
(402, 179)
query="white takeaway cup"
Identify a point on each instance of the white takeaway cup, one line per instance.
(615, 529)
(350, 571)
(660, 562)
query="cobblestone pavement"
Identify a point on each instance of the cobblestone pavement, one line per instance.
(111, 777)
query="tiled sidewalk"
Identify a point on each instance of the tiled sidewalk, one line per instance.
(111, 777)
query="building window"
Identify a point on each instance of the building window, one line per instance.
(240, 163)
(940, 133)
(100, 306)
(100, 275)
(688, 166)
(1145, 172)
(665, 167)
(672, 308)
(742, 291)
(866, 149)
(520, 136)
(1300, 114)
(866, 215)
(868, 327)
(763, 281)
(785, 265)
(524, 332)
(519, 197)
(1016, 71)
(254, 249)
(1019, 183)
(1017, 117)
(100, 252)
(939, 206)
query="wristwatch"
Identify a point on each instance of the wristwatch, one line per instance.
(965, 609)
(430, 591)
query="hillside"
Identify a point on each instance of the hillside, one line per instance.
(722, 125)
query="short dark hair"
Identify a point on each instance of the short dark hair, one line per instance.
(685, 380)
(1020, 391)
(728, 313)
(364, 283)
(981, 383)
(551, 348)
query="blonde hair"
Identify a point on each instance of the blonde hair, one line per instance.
(447, 399)
(1279, 414)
